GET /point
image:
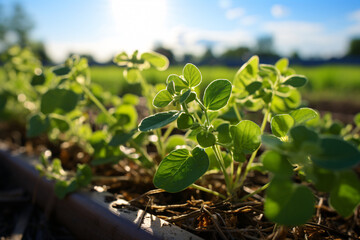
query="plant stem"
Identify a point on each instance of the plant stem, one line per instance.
(208, 190)
(168, 132)
(220, 161)
(237, 112)
(111, 118)
(255, 192)
(205, 112)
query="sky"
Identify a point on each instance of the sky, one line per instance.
(314, 28)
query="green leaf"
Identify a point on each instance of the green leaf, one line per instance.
(192, 75)
(253, 87)
(185, 96)
(37, 125)
(217, 94)
(324, 180)
(224, 133)
(302, 134)
(281, 124)
(171, 87)
(356, 119)
(162, 99)
(303, 115)
(246, 137)
(83, 175)
(61, 70)
(205, 139)
(295, 81)
(282, 65)
(178, 81)
(185, 121)
(126, 116)
(277, 164)
(336, 154)
(132, 75)
(173, 141)
(287, 203)
(121, 137)
(271, 141)
(345, 196)
(180, 169)
(247, 73)
(157, 60)
(58, 100)
(38, 79)
(158, 120)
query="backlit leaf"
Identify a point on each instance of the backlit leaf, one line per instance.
(336, 154)
(180, 169)
(217, 94)
(295, 80)
(303, 115)
(58, 100)
(162, 98)
(345, 196)
(246, 137)
(192, 75)
(287, 203)
(158, 120)
(281, 124)
(159, 61)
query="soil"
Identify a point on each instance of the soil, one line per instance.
(196, 211)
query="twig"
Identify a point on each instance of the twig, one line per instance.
(343, 235)
(154, 191)
(215, 223)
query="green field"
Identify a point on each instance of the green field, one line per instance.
(333, 82)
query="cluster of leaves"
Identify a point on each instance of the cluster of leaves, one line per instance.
(218, 135)
(62, 103)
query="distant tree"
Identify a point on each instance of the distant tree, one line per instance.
(265, 47)
(295, 55)
(236, 56)
(354, 48)
(39, 49)
(189, 58)
(21, 24)
(166, 52)
(208, 58)
(2, 24)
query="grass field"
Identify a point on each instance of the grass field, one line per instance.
(333, 82)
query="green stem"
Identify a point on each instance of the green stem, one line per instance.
(205, 112)
(255, 192)
(98, 104)
(220, 161)
(237, 112)
(168, 132)
(208, 190)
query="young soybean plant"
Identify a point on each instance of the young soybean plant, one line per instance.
(182, 167)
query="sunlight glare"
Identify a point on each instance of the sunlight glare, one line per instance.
(139, 23)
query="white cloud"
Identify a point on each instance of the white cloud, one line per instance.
(311, 39)
(225, 3)
(184, 40)
(354, 16)
(235, 13)
(279, 11)
(249, 20)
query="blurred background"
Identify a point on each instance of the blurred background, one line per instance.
(320, 38)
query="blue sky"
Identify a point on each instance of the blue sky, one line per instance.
(105, 27)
